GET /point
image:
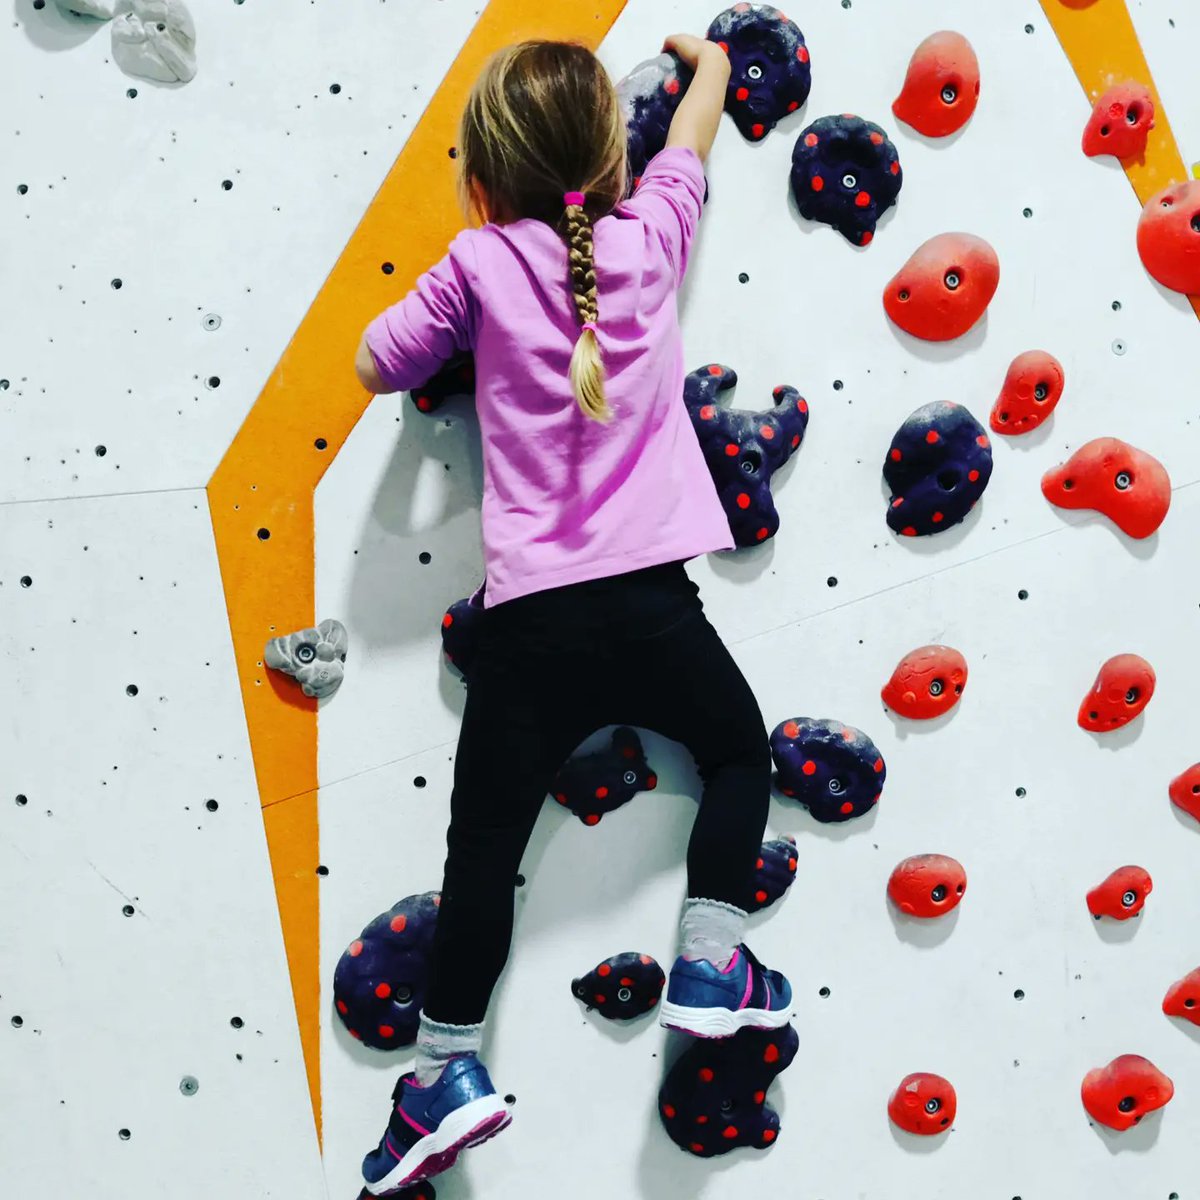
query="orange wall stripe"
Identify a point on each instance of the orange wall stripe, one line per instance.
(1102, 45)
(261, 496)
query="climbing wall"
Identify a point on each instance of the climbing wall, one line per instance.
(1019, 993)
(165, 1031)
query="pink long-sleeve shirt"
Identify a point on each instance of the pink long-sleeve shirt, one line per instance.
(566, 498)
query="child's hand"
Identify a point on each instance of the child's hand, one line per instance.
(689, 47)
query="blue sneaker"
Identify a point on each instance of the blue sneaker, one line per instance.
(431, 1126)
(709, 1002)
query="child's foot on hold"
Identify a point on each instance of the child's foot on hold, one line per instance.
(712, 1002)
(431, 1126)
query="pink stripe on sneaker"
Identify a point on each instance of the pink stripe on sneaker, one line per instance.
(733, 962)
(749, 987)
(387, 1141)
(419, 1128)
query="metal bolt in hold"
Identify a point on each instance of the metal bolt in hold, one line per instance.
(189, 1085)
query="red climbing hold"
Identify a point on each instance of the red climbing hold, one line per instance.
(927, 885)
(1032, 388)
(1168, 237)
(927, 682)
(1120, 123)
(941, 88)
(1122, 689)
(1122, 1093)
(944, 288)
(1130, 487)
(1185, 791)
(1122, 895)
(1183, 998)
(923, 1104)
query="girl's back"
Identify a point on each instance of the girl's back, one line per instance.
(567, 498)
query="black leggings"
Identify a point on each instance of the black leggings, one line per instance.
(552, 668)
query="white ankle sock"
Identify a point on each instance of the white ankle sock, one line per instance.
(437, 1044)
(712, 930)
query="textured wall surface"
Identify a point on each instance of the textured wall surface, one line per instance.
(139, 910)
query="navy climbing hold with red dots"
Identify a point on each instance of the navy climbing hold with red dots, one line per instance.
(775, 872)
(833, 769)
(592, 785)
(379, 983)
(649, 96)
(744, 449)
(456, 378)
(461, 631)
(622, 987)
(938, 465)
(714, 1098)
(846, 173)
(770, 73)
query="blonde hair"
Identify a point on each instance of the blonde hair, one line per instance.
(542, 121)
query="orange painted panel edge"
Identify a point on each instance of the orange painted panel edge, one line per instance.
(1103, 48)
(261, 495)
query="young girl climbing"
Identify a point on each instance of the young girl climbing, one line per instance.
(595, 494)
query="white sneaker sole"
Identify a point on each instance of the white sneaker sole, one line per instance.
(471, 1125)
(719, 1022)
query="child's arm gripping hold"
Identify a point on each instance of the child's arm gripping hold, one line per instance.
(411, 340)
(698, 116)
(670, 197)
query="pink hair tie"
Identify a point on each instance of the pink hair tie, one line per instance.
(574, 199)
(590, 325)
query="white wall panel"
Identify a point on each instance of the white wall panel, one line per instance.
(131, 189)
(138, 922)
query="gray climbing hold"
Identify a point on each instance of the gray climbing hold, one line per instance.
(155, 39)
(315, 657)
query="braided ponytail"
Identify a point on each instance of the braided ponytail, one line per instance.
(587, 368)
